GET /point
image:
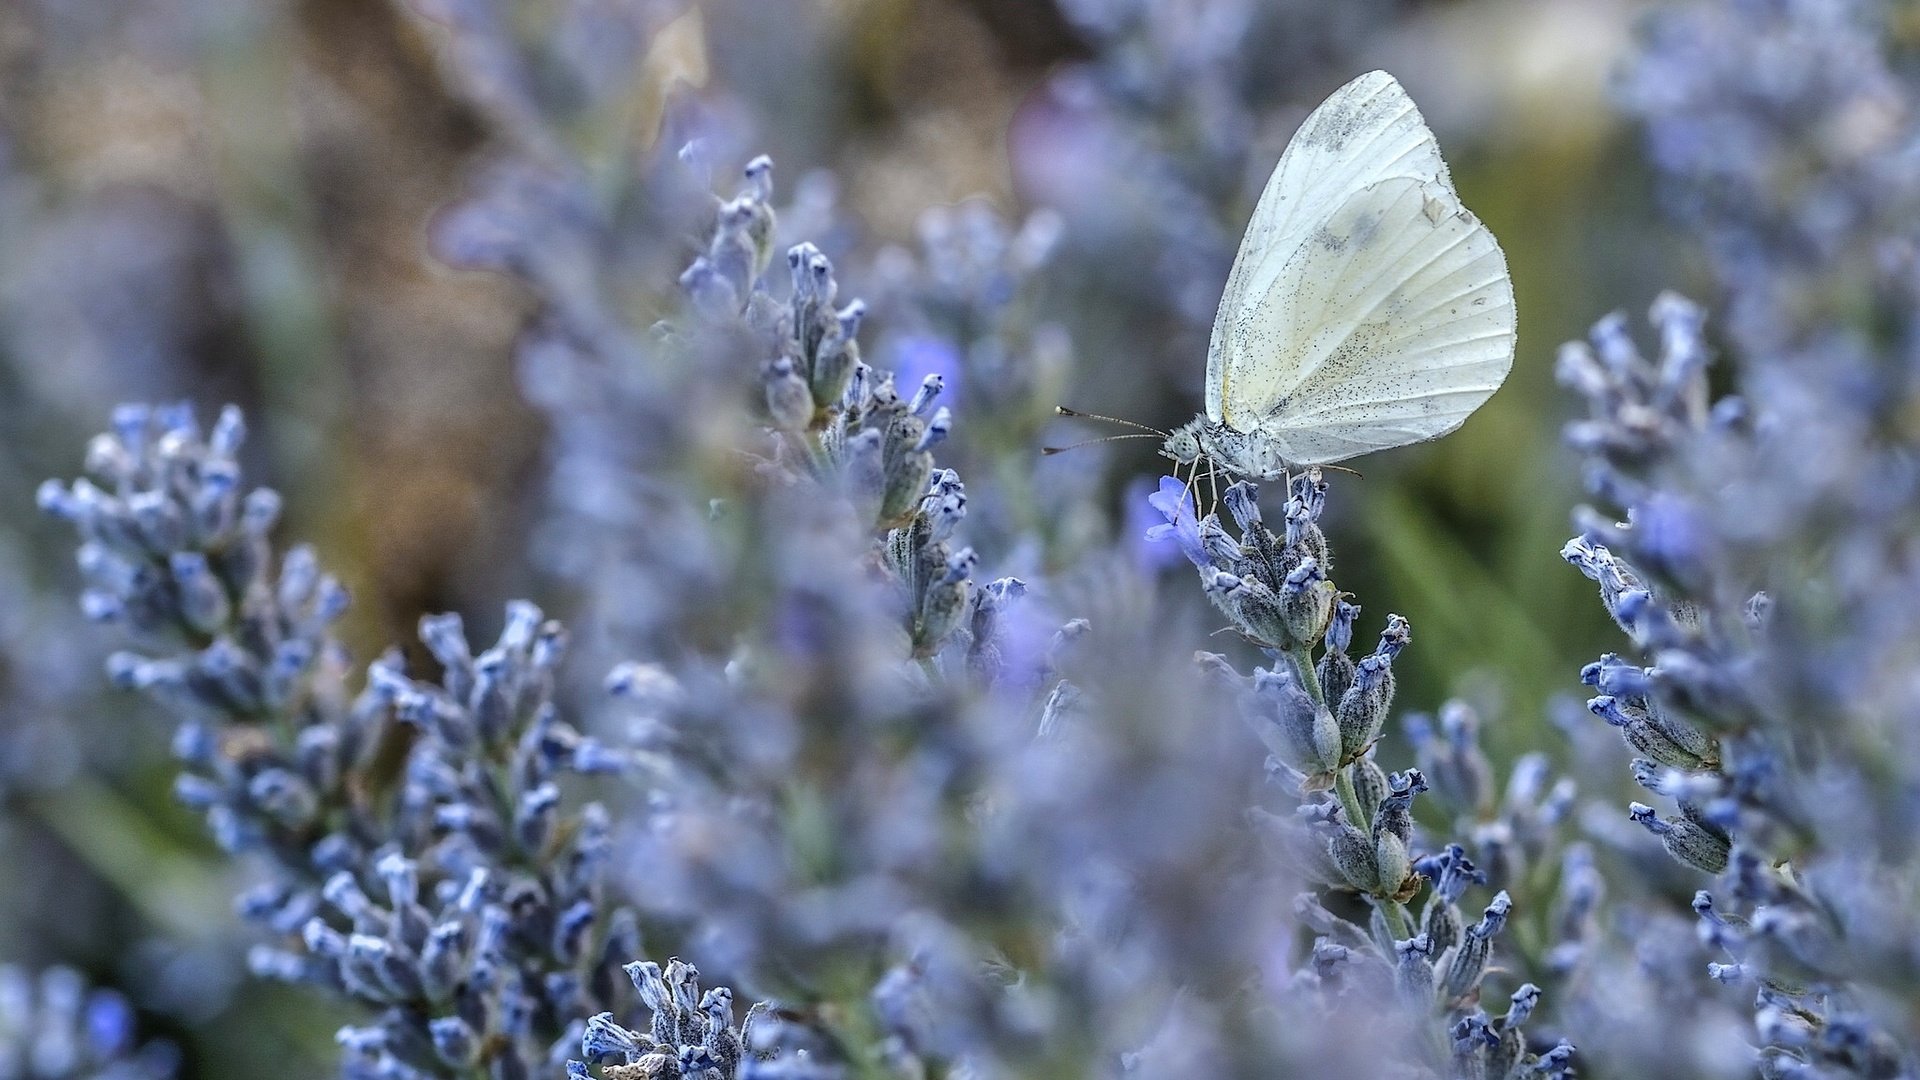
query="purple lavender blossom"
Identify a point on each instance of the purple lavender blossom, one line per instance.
(54, 1026)
(462, 900)
(1415, 983)
(1174, 502)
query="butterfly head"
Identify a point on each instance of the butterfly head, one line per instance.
(1184, 444)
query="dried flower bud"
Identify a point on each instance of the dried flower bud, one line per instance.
(1370, 785)
(1686, 840)
(1393, 830)
(789, 404)
(1353, 853)
(1413, 975)
(1292, 725)
(1306, 602)
(1648, 731)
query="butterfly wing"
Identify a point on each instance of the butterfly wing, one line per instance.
(1394, 321)
(1367, 307)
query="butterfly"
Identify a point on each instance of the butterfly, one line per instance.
(1367, 308)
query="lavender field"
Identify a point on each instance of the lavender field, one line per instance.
(530, 548)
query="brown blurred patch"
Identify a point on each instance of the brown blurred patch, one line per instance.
(445, 449)
(944, 85)
(1031, 34)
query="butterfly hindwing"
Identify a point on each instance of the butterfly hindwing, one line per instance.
(1394, 323)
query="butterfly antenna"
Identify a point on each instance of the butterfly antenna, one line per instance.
(1344, 469)
(1050, 450)
(1064, 411)
(1249, 638)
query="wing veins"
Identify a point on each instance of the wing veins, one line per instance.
(1307, 370)
(1298, 307)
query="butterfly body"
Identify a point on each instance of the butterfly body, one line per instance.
(1249, 455)
(1366, 309)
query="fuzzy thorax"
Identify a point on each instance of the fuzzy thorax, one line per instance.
(1247, 454)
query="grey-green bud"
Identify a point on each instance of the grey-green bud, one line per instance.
(1352, 852)
(1252, 607)
(1413, 975)
(1293, 725)
(833, 364)
(1651, 732)
(1686, 840)
(788, 402)
(906, 482)
(1306, 602)
(1369, 787)
(1441, 922)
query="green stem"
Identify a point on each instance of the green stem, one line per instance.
(1302, 658)
(122, 842)
(1398, 921)
(1349, 800)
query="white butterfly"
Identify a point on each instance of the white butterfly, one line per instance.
(1367, 308)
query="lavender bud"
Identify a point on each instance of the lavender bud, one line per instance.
(1461, 969)
(837, 358)
(905, 484)
(571, 929)
(1413, 975)
(1370, 787)
(1441, 922)
(1250, 605)
(534, 819)
(1647, 731)
(1243, 502)
(605, 1040)
(1292, 725)
(789, 403)
(283, 796)
(441, 959)
(196, 792)
(456, 1043)
(1353, 853)
(203, 600)
(945, 603)
(1686, 840)
(923, 398)
(260, 512)
(1363, 708)
(1335, 669)
(1306, 602)
(936, 431)
(1393, 829)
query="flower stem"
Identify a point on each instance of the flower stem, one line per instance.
(1397, 919)
(1302, 659)
(1349, 800)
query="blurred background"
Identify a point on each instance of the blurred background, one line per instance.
(223, 202)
